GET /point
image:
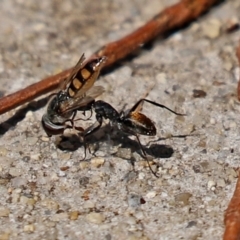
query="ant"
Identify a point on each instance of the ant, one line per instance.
(132, 122)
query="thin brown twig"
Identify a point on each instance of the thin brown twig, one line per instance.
(238, 56)
(232, 216)
(172, 17)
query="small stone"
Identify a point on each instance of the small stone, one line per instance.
(23, 199)
(73, 215)
(151, 194)
(183, 197)
(161, 78)
(29, 114)
(97, 162)
(228, 66)
(60, 217)
(29, 228)
(32, 140)
(211, 29)
(83, 165)
(212, 121)
(211, 185)
(45, 139)
(15, 172)
(167, 165)
(3, 151)
(134, 200)
(89, 205)
(36, 156)
(231, 172)
(31, 201)
(221, 183)
(5, 236)
(94, 217)
(4, 212)
(50, 204)
(15, 197)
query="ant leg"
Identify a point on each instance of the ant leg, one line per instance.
(145, 156)
(138, 103)
(89, 131)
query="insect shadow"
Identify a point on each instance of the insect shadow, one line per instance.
(71, 143)
(21, 114)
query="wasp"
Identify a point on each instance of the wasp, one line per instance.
(76, 93)
(131, 122)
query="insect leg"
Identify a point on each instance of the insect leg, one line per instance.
(139, 102)
(89, 131)
(145, 156)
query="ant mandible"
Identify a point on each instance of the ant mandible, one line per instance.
(131, 122)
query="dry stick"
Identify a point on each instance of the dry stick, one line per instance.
(232, 216)
(238, 56)
(175, 16)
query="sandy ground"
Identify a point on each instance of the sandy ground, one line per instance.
(46, 192)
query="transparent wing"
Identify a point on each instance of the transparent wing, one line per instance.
(74, 103)
(88, 82)
(73, 74)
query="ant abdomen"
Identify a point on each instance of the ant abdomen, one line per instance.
(139, 123)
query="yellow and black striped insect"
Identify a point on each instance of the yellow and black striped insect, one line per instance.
(77, 91)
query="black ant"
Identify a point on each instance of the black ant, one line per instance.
(131, 122)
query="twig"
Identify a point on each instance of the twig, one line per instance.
(173, 17)
(232, 216)
(238, 56)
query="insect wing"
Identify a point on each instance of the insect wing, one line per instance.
(86, 77)
(74, 72)
(74, 103)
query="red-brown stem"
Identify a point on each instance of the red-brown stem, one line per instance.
(232, 216)
(238, 56)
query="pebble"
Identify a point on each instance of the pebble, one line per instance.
(97, 162)
(29, 115)
(60, 217)
(4, 212)
(134, 200)
(89, 205)
(50, 204)
(26, 200)
(32, 140)
(94, 217)
(3, 151)
(45, 139)
(161, 78)
(221, 183)
(83, 165)
(5, 236)
(36, 156)
(151, 194)
(73, 215)
(29, 228)
(183, 197)
(236, 73)
(211, 185)
(167, 165)
(211, 29)
(227, 66)
(15, 172)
